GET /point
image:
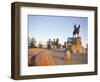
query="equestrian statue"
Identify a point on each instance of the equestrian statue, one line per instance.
(76, 31)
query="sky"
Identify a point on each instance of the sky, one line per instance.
(44, 27)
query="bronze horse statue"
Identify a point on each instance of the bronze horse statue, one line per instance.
(76, 31)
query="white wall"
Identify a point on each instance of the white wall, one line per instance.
(5, 40)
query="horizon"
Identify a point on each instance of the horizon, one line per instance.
(43, 28)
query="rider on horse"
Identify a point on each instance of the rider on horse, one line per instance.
(76, 30)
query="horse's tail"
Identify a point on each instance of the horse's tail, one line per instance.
(74, 32)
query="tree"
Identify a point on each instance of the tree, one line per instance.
(29, 42)
(33, 43)
(65, 44)
(40, 45)
(49, 44)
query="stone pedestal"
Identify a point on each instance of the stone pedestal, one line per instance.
(76, 45)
